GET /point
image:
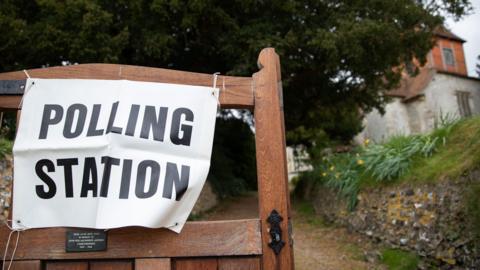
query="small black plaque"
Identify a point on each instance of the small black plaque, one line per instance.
(82, 241)
(12, 87)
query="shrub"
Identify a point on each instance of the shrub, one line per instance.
(393, 159)
(342, 172)
(345, 172)
(5, 147)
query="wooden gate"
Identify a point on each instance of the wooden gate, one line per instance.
(235, 244)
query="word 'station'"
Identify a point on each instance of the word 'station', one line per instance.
(105, 154)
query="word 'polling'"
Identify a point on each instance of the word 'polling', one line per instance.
(78, 119)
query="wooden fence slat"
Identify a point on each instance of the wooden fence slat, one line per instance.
(271, 157)
(25, 265)
(153, 264)
(67, 265)
(236, 94)
(10, 102)
(196, 264)
(111, 265)
(236, 237)
(239, 263)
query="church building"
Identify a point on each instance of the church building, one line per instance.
(442, 91)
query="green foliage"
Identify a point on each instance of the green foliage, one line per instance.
(233, 164)
(5, 147)
(307, 212)
(342, 172)
(446, 153)
(399, 260)
(194, 217)
(459, 155)
(355, 251)
(345, 172)
(445, 120)
(389, 161)
(379, 163)
(338, 57)
(8, 125)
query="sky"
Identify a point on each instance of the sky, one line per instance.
(469, 29)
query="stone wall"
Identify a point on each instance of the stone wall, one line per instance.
(430, 219)
(6, 173)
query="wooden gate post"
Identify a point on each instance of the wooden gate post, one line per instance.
(271, 159)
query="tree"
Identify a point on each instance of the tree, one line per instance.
(338, 57)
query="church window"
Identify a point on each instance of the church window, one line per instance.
(463, 104)
(448, 57)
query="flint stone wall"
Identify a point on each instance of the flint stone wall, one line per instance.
(430, 219)
(6, 176)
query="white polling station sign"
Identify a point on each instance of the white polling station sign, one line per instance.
(111, 153)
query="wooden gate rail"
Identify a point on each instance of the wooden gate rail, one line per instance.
(236, 92)
(197, 239)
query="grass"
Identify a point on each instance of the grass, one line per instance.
(355, 251)
(459, 154)
(306, 211)
(396, 259)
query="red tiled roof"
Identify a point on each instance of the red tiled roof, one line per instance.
(411, 87)
(441, 31)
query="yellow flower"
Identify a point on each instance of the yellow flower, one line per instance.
(324, 174)
(360, 161)
(332, 168)
(337, 175)
(366, 142)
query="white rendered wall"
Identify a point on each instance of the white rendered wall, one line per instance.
(441, 96)
(380, 127)
(421, 114)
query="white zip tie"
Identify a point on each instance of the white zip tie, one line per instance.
(215, 77)
(12, 231)
(26, 89)
(26, 73)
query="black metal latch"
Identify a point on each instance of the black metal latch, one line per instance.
(276, 242)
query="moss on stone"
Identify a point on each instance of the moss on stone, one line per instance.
(472, 207)
(396, 259)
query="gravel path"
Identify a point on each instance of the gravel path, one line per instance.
(316, 246)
